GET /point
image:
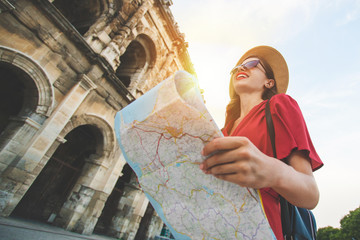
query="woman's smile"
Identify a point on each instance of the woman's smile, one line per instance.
(241, 75)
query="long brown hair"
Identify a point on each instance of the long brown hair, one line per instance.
(233, 107)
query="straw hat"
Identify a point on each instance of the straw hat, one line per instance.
(276, 61)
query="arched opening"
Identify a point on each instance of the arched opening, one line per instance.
(131, 63)
(111, 205)
(81, 13)
(18, 94)
(53, 185)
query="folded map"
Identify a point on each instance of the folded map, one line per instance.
(161, 135)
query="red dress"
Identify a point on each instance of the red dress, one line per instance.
(290, 134)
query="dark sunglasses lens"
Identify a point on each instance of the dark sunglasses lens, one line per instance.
(246, 66)
(251, 64)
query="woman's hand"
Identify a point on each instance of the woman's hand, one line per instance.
(238, 160)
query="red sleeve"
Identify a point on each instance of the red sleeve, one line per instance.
(291, 132)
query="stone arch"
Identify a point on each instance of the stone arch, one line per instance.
(107, 145)
(150, 48)
(138, 60)
(149, 39)
(57, 179)
(161, 53)
(36, 73)
(18, 95)
(83, 14)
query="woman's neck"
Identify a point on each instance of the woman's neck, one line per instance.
(247, 102)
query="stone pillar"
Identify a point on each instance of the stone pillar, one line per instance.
(127, 218)
(165, 67)
(84, 206)
(15, 137)
(88, 220)
(155, 227)
(19, 176)
(82, 210)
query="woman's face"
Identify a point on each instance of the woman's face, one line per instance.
(251, 80)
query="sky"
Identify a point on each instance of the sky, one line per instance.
(320, 40)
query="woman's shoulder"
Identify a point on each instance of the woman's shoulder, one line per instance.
(283, 102)
(282, 97)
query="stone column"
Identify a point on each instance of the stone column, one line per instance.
(82, 210)
(131, 209)
(155, 227)
(165, 67)
(119, 43)
(19, 176)
(84, 206)
(17, 134)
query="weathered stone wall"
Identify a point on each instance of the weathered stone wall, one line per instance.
(77, 66)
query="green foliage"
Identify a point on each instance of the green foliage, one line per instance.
(349, 228)
(329, 233)
(350, 225)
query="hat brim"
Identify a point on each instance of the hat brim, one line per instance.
(276, 62)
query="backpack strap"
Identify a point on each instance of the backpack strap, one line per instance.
(270, 127)
(285, 214)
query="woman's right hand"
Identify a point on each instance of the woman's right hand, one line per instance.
(238, 160)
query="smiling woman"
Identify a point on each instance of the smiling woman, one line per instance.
(245, 155)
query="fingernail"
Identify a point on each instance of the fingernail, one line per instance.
(202, 166)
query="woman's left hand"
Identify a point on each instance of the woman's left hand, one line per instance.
(238, 160)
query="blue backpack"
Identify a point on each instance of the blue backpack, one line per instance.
(297, 223)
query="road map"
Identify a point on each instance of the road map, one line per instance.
(161, 135)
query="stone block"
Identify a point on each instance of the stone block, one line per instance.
(95, 73)
(89, 226)
(2, 166)
(114, 103)
(30, 179)
(42, 142)
(111, 53)
(14, 146)
(52, 70)
(22, 190)
(5, 198)
(104, 37)
(40, 53)
(39, 167)
(17, 175)
(6, 157)
(97, 45)
(63, 218)
(73, 220)
(30, 162)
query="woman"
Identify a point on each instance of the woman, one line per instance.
(244, 155)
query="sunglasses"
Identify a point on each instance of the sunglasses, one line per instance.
(246, 66)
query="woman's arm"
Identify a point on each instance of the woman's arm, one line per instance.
(297, 183)
(238, 160)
